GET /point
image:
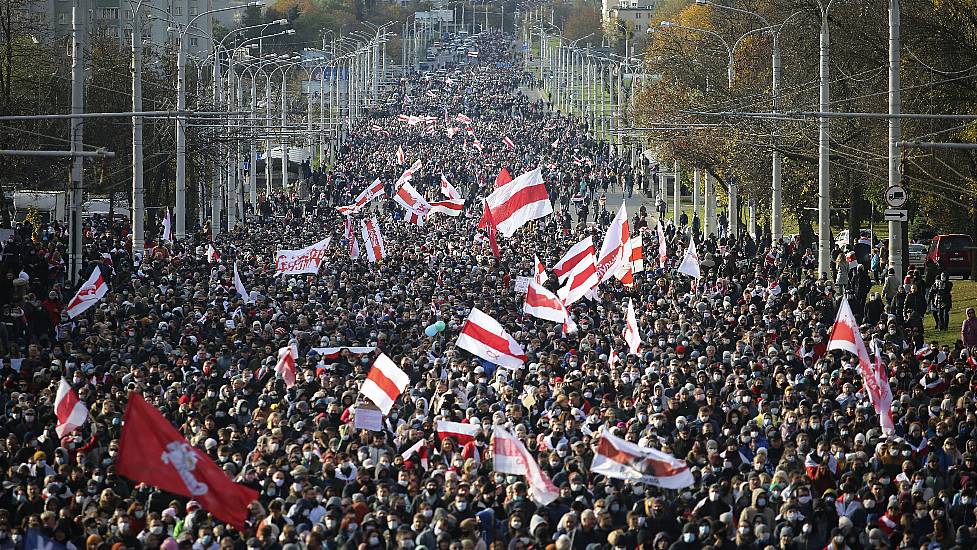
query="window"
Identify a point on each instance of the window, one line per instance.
(178, 10)
(192, 10)
(193, 41)
(128, 15)
(637, 28)
(63, 18)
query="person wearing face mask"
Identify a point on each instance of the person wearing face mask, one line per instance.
(760, 506)
(712, 505)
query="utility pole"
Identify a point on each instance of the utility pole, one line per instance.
(776, 204)
(824, 174)
(138, 207)
(79, 23)
(677, 195)
(181, 142)
(895, 134)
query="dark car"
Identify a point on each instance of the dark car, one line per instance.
(952, 253)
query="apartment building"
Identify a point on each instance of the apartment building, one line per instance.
(637, 14)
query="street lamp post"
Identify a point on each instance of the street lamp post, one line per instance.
(181, 120)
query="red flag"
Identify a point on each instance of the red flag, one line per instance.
(152, 451)
(503, 177)
(488, 224)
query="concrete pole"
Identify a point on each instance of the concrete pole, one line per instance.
(253, 156)
(138, 207)
(216, 200)
(751, 220)
(233, 181)
(776, 204)
(824, 174)
(79, 24)
(284, 123)
(696, 182)
(734, 209)
(268, 157)
(895, 133)
(677, 194)
(180, 209)
(708, 224)
(711, 185)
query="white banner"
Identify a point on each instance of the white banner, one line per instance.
(305, 260)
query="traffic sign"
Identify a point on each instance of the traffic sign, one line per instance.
(895, 196)
(896, 215)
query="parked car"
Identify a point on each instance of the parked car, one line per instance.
(917, 254)
(953, 253)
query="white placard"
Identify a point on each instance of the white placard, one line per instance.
(367, 418)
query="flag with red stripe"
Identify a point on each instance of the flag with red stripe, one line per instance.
(539, 271)
(88, 295)
(620, 459)
(578, 272)
(384, 383)
(69, 409)
(463, 119)
(449, 207)
(449, 190)
(631, 334)
(352, 244)
(462, 432)
(400, 155)
(543, 304)
(373, 240)
(509, 143)
(484, 337)
(286, 363)
(510, 456)
(613, 251)
(518, 202)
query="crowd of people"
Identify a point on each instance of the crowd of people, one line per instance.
(733, 374)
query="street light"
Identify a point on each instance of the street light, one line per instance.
(776, 209)
(181, 121)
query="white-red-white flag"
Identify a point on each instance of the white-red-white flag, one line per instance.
(212, 255)
(384, 383)
(518, 202)
(539, 271)
(88, 295)
(286, 363)
(510, 456)
(400, 155)
(411, 200)
(578, 271)
(69, 409)
(613, 251)
(543, 304)
(845, 335)
(484, 337)
(635, 263)
(449, 207)
(352, 244)
(373, 240)
(462, 432)
(690, 263)
(239, 287)
(503, 177)
(478, 145)
(167, 226)
(451, 131)
(421, 449)
(463, 119)
(631, 334)
(620, 459)
(662, 248)
(408, 173)
(509, 143)
(449, 190)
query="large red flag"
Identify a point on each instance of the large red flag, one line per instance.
(152, 451)
(503, 177)
(488, 224)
